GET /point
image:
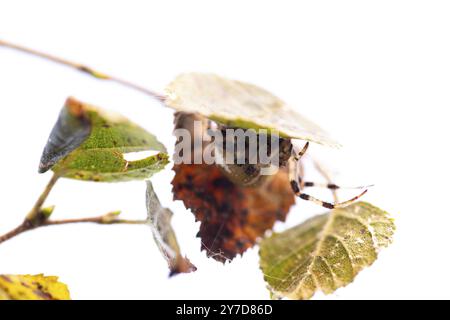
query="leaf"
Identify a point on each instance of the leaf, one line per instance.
(232, 217)
(88, 143)
(326, 252)
(159, 220)
(28, 287)
(242, 105)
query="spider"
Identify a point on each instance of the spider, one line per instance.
(250, 174)
(291, 159)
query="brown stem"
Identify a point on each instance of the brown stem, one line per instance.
(99, 220)
(105, 219)
(85, 69)
(35, 211)
(38, 217)
(14, 232)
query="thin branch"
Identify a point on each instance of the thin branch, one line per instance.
(105, 219)
(36, 210)
(39, 216)
(84, 69)
(14, 232)
(99, 220)
(36, 216)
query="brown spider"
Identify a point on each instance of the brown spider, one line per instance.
(249, 174)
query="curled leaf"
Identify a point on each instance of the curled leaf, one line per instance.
(88, 143)
(325, 252)
(232, 217)
(28, 287)
(70, 131)
(241, 105)
(159, 220)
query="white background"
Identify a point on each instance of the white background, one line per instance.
(376, 74)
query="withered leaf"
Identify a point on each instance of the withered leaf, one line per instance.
(326, 252)
(232, 217)
(159, 220)
(28, 287)
(88, 143)
(241, 105)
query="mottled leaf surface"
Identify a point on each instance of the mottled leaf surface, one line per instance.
(28, 287)
(239, 104)
(159, 219)
(88, 143)
(232, 217)
(325, 252)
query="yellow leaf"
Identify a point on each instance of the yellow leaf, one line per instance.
(28, 287)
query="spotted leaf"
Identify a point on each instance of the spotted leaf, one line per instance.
(88, 143)
(232, 217)
(325, 252)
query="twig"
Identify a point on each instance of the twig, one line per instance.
(36, 210)
(84, 69)
(14, 232)
(105, 219)
(39, 217)
(99, 220)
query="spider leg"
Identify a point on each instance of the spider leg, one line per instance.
(331, 186)
(297, 165)
(327, 177)
(295, 187)
(297, 156)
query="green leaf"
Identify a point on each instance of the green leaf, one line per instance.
(88, 143)
(159, 220)
(243, 105)
(325, 252)
(28, 287)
